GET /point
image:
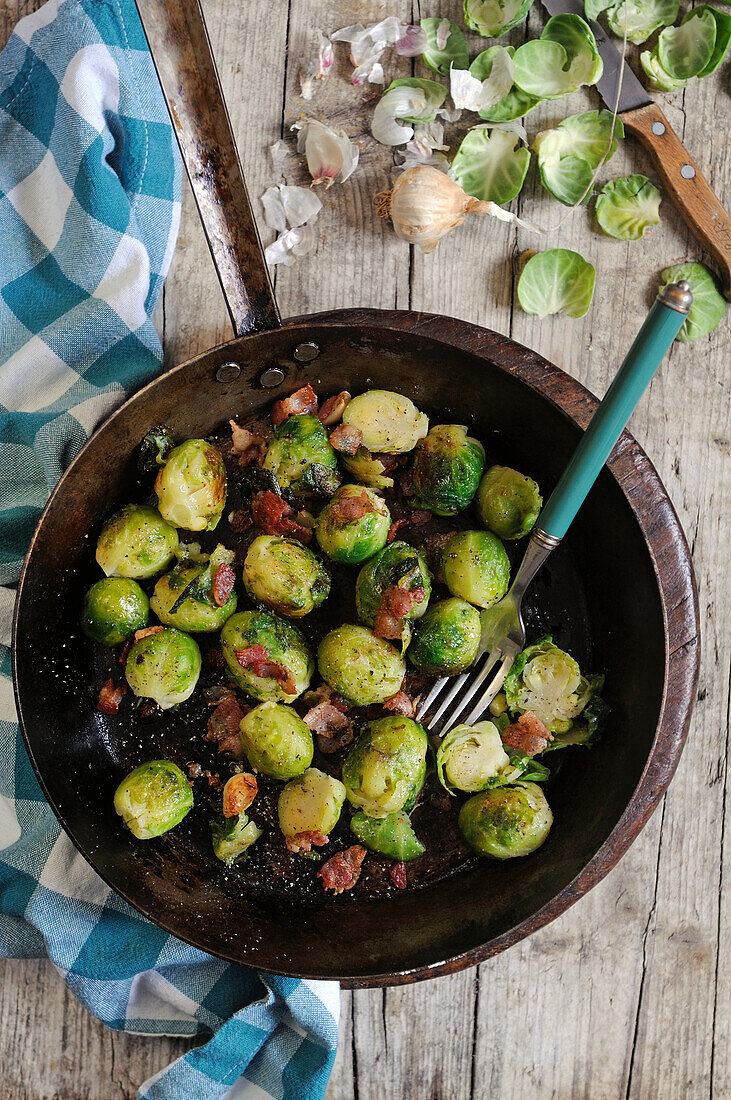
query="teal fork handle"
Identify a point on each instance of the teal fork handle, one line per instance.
(644, 357)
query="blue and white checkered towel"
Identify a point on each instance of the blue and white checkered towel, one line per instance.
(89, 210)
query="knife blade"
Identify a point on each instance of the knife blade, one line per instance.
(632, 95)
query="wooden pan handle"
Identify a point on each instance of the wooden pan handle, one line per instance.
(683, 181)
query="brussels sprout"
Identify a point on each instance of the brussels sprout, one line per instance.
(276, 741)
(392, 836)
(191, 486)
(556, 281)
(363, 668)
(164, 666)
(153, 798)
(136, 542)
(311, 803)
(367, 468)
(398, 565)
(471, 758)
(232, 837)
(184, 598)
(388, 422)
(282, 644)
(353, 540)
(113, 609)
(447, 469)
(507, 821)
(476, 567)
(301, 457)
(386, 767)
(508, 503)
(548, 682)
(446, 639)
(285, 575)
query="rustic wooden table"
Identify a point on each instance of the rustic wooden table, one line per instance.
(628, 994)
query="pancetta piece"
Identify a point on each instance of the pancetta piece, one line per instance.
(223, 584)
(274, 516)
(333, 727)
(249, 447)
(349, 508)
(397, 874)
(111, 696)
(303, 842)
(396, 603)
(528, 735)
(223, 727)
(342, 871)
(301, 401)
(400, 703)
(146, 632)
(256, 659)
(346, 438)
(417, 518)
(238, 793)
(332, 411)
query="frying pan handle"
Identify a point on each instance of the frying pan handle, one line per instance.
(181, 51)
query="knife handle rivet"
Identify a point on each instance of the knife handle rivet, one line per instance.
(658, 128)
(687, 171)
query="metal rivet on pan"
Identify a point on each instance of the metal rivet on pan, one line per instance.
(271, 377)
(687, 171)
(305, 353)
(658, 128)
(228, 372)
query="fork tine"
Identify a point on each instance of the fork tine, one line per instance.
(455, 690)
(491, 690)
(433, 694)
(452, 718)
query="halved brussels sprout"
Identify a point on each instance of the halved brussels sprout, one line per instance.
(476, 567)
(508, 503)
(363, 668)
(311, 803)
(491, 18)
(191, 486)
(184, 598)
(136, 542)
(446, 639)
(285, 575)
(164, 666)
(274, 640)
(447, 469)
(506, 821)
(628, 207)
(392, 836)
(388, 422)
(368, 469)
(232, 837)
(301, 458)
(556, 281)
(153, 798)
(113, 609)
(386, 767)
(398, 565)
(548, 682)
(276, 741)
(469, 757)
(350, 533)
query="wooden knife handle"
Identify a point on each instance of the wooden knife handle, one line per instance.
(686, 186)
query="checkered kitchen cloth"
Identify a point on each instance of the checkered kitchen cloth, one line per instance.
(89, 211)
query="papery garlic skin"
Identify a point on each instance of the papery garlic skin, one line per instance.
(330, 153)
(291, 244)
(425, 204)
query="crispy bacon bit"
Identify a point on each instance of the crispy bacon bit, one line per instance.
(195, 771)
(396, 603)
(140, 634)
(333, 409)
(249, 447)
(110, 696)
(400, 704)
(325, 694)
(213, 658)
(417, 518)
(125, 652)
(148, 710)
(223, 727)
(240, 520)
(346, 438)
(333, 727)
(398, 875)
(342, 871)
(528, 734)
(345, 508)
(273, 515)
(223, 584)
(302, 842)
(256, 660)
(238, 793)
(301, 401)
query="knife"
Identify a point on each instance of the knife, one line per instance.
(680, 175)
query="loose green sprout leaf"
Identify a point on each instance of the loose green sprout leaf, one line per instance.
(556, 281)
(391, 836)
(708, 304)
(656, 74)
(490, 166)
(472, 94)
(569, 155)
(560, 61)
(627, 207)
(154, 449)
(723, 37)
(491, 18)
(454, 53)
(594, 8)
(686, 50)
(641, 18)
(515, 104)
(411, 99)
(585, 731)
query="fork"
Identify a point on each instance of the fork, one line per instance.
(503, 631)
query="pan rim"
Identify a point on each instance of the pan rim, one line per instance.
(680, 621)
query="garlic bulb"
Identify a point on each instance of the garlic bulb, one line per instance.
(425, 204)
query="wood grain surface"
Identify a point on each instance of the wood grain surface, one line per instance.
(628, 993)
